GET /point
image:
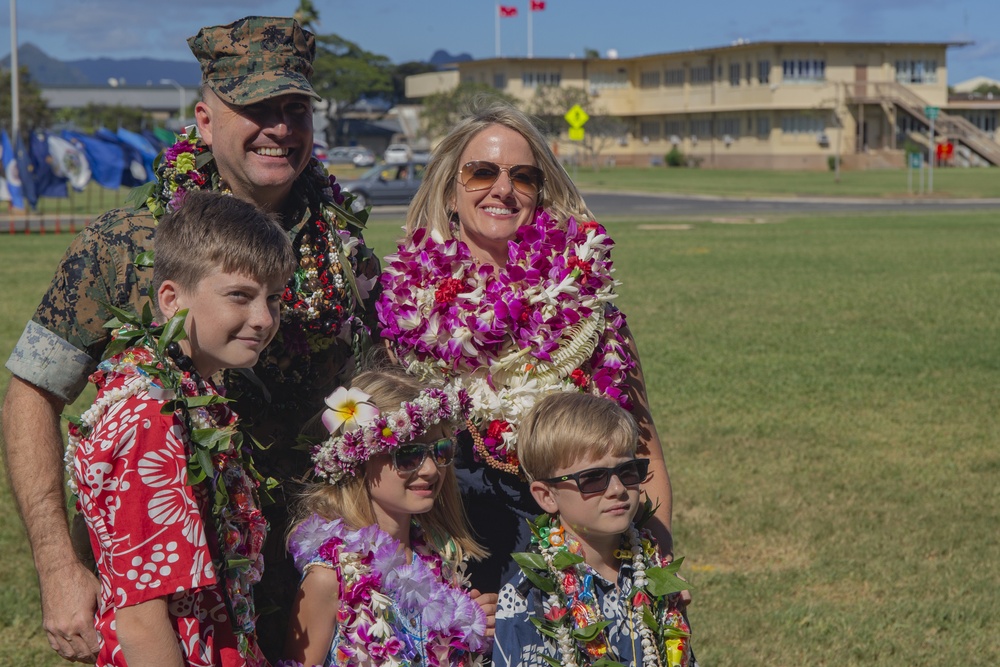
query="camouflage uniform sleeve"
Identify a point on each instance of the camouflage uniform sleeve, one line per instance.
(61, 345)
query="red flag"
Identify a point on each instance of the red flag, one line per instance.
(537, 5)
(507, 12)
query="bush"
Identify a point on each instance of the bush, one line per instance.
(831, 162)
(675, 158)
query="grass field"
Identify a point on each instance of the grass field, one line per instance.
(826, 389)
(879, 183)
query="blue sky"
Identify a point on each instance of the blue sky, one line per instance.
(411, 30)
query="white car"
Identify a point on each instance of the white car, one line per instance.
(396, 153)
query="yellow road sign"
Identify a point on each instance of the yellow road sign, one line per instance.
(576, 117)
(576, 134)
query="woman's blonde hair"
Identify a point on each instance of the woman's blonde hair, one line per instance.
(445, 526)
(567, 428)
(434, 204)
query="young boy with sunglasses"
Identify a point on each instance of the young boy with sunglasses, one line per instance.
(597, 588)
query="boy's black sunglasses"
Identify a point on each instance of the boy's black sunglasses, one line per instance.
(596, 480)
(411, 455)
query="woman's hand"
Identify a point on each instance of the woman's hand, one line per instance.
(488, 601)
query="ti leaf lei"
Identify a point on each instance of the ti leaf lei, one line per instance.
(212, 435)
(573, 617)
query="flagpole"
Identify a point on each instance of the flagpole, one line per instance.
(15, 75)
(496, 19)
(530, 12)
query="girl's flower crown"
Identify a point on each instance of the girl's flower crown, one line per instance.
(359, 431)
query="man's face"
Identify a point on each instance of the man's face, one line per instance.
(261, 148)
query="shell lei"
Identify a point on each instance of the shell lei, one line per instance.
(573, 616)
(375, 581)
(230, 484)
(542, 323)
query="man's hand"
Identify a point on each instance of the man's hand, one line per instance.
(69, 599)
(34, 450)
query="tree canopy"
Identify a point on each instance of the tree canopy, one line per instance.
(35, 111)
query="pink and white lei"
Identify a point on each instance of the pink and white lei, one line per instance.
(540, 324)
(377, 585)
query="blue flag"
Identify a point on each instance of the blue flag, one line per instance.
(141, 144)
(27, 171)
(134, 172)
(106, 160)
(11, 172)
(47, 182)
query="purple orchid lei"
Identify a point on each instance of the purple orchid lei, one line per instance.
(540, 324)
(378, 587)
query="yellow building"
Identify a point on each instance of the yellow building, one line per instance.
(782, 105)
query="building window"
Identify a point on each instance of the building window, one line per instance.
(804, 70)
(617, 79)
(674, 77)
(701, 127)
(649, 79)
(729, 127)
(764, 72)
(650, 129)
(535, 79)
(802, 124)
(763, 126)
(499, 81)
(734, 74)
(701, 74)
(916, 71)
(673, 128)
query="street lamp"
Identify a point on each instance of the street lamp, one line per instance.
(180, 88)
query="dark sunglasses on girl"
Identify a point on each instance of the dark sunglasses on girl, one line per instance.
(411, 455)
(597, 480)
(482, 174)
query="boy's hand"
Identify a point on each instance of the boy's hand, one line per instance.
(488, 601)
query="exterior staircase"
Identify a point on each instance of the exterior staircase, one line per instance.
(954, 128)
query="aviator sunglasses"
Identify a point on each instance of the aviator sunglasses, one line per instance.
(597, 480)
(410, 456)
(482, 174)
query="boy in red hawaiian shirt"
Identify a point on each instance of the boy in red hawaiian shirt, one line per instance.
(162, 478)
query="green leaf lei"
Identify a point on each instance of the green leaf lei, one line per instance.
(211, 444)
(573, 618)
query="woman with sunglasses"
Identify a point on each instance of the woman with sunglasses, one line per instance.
(504, 283)
(382, 540)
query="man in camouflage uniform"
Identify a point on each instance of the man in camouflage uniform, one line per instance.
(256, 118)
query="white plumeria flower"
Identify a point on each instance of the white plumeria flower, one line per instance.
(380, 601)
(348, 408)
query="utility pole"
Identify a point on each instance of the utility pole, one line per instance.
(15, 76)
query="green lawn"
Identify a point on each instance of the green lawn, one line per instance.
(826, 388)
(948, 183)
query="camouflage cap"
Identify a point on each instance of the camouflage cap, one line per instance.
(256, 58)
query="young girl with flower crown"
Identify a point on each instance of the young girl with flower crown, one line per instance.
(382, 541)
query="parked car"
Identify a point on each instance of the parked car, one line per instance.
(340, 155)
(320, 151)
(363, 157)
(386, 184)
(359, 156)
(397, 153)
